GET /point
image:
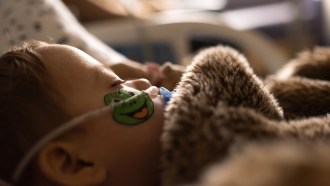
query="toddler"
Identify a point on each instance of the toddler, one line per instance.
(69, 120)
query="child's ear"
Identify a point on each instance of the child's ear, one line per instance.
(61, 163)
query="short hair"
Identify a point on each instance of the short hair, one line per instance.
(28, 109)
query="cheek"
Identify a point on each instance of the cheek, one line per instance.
(132, 151)
(116, 143)
(140, 143)
(147, 135)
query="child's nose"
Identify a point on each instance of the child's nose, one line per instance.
(139, 84)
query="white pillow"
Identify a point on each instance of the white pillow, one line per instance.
(50, 21)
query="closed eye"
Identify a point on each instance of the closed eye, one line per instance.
(117, 83)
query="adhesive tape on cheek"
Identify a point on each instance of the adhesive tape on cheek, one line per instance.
(130, 108)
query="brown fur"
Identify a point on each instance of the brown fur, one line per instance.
(301, 97)
(220, 105)
(284, 163)
(302, 87)
(313, 64)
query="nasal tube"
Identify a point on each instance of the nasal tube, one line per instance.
(166, 94)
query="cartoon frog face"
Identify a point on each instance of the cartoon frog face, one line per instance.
(131, 107)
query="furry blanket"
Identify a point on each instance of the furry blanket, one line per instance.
(226, 127)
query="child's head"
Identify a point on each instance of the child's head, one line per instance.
(43, 86)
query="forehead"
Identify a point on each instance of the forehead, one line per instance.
(65, 54)
(73, 74)
(65, 63)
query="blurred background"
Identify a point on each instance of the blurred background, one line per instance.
(268, 32)
(170, 30)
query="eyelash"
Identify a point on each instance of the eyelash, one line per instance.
(122, 82)
(118, 84)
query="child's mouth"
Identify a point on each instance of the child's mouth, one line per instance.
(163, 92)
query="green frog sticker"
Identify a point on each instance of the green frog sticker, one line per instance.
(131, 107)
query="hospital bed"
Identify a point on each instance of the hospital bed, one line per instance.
(174, 36)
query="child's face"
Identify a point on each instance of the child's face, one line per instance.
(127, 151)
